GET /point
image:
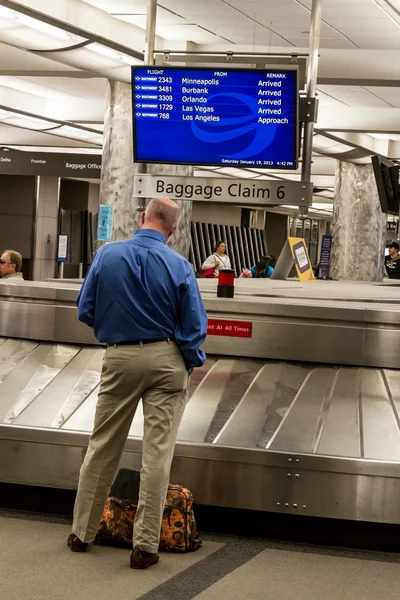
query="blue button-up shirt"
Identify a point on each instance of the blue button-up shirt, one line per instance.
(139, 289)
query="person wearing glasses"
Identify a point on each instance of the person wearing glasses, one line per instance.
(11, 265)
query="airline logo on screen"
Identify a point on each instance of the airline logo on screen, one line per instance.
(237, 117)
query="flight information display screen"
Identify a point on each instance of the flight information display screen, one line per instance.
(232, 117)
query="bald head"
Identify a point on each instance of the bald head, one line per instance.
(163, 215)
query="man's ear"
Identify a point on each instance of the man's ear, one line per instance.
(143, 217)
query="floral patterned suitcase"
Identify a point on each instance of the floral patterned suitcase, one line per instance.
(178, 528)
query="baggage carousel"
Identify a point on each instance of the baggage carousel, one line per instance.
(296, 410)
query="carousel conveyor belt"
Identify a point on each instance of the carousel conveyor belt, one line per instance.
(246, 403)
(301, 415)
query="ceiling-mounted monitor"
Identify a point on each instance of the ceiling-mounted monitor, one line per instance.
(387, 182)
(216, 117)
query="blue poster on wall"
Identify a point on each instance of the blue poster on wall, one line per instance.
(104, 227)
(325, 259)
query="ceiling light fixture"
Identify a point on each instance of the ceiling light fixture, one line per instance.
(28, 122)
(32, 23)
(80, 133)
(15, 115)
(387, 13)
(7, 13)
(43, 27)
(35, 89)
(103, 50)
(113, 54)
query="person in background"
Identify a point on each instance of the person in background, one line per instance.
(261, 270)
(144, 304)
(392, 262)
(219, 260)
(246, 274)
(11, 265)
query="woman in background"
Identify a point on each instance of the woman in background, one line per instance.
(217, 261)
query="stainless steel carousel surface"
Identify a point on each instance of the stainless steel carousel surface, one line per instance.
(296, 409)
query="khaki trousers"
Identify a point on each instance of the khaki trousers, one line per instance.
(155, 373)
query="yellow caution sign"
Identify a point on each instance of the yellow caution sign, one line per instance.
(301, 259)
(294, 252)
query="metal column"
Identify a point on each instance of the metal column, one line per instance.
(311, 88)
(149, 46)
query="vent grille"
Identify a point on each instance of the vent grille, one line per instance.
(245, 246)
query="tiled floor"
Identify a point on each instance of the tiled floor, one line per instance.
(37, 565)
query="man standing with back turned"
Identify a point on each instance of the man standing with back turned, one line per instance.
(143, 302)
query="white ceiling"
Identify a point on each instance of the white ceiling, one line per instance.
(363, 96)
(347, 24)
(359, 81)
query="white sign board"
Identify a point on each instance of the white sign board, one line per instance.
(224, 191)
(62, 248)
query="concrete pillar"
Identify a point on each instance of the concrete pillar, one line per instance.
(118, 169)
(116, 186)
(180, 241)
(359, 226)
(46, 227)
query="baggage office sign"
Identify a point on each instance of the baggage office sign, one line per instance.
(225, 328)
(260, 192)
(16, 162)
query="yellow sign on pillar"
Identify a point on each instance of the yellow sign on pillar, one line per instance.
(301, 259)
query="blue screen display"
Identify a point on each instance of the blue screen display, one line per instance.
(209, 117)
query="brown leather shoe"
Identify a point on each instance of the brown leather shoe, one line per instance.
(75, 544)
(142, 560)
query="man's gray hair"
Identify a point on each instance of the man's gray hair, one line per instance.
(163, 210)
(15, 259)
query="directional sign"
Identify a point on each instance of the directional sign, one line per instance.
(224, 191)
